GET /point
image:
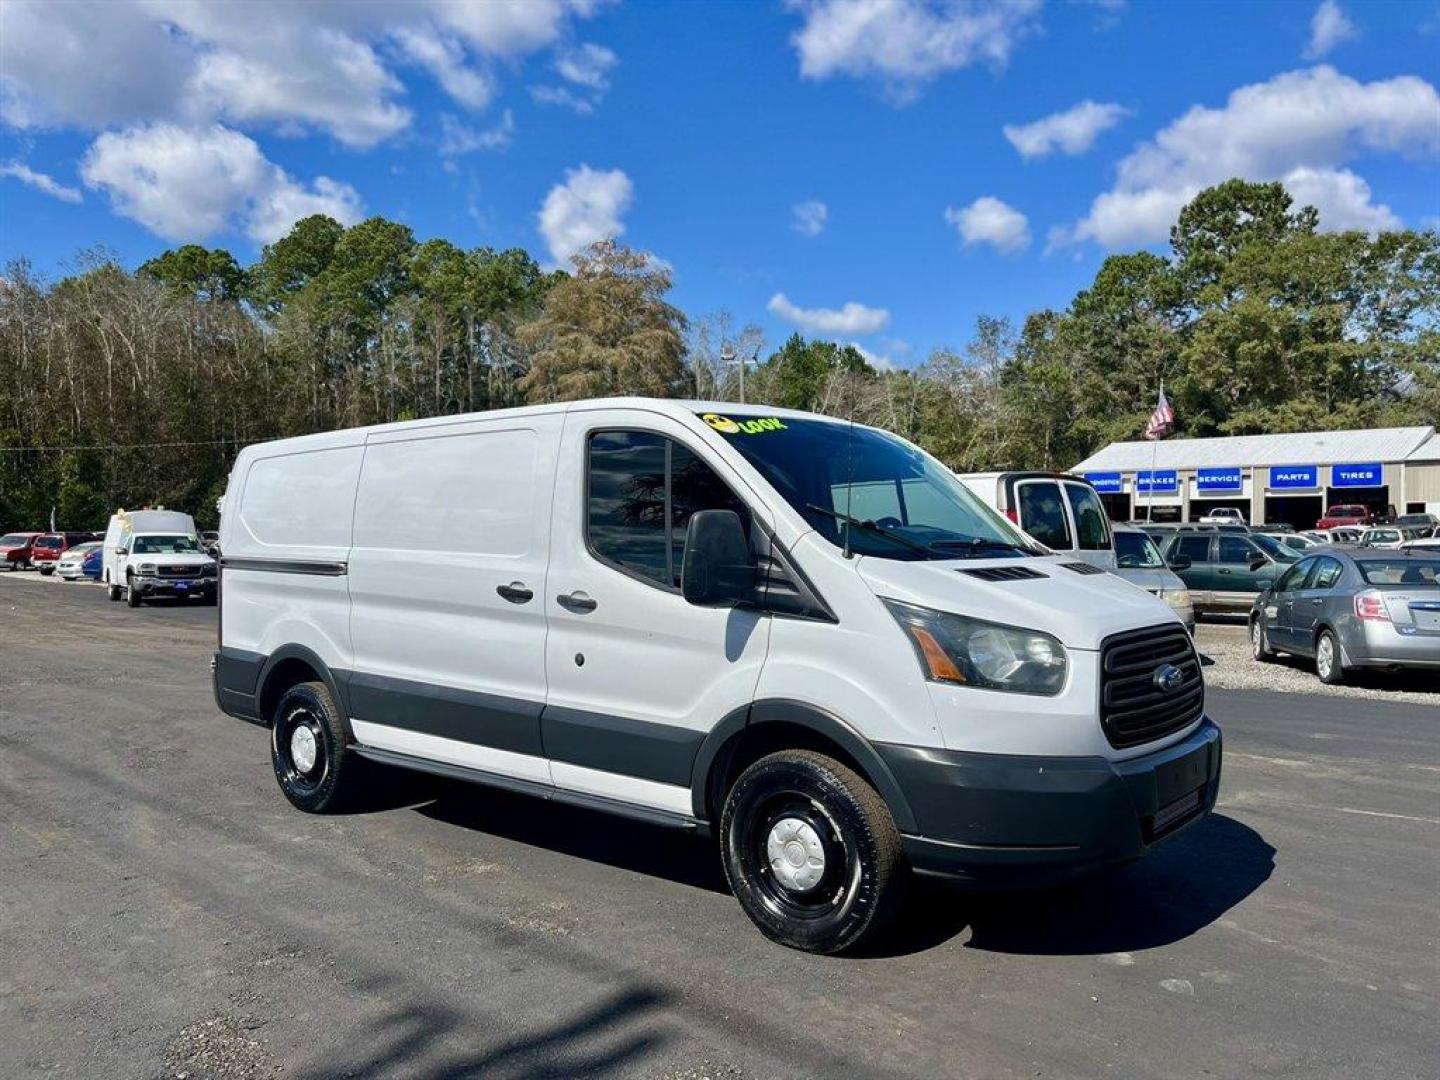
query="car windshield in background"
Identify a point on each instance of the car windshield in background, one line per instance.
(865, 486)
(49, 542)
(165, 545)
(1276, 550)
(1400, 571)
(1136, 551)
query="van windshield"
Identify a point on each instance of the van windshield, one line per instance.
(870, 489)
(164, 545)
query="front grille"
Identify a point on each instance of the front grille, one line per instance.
(1083, 567)
(1003, 573)
(1133, 710)
(178, 571)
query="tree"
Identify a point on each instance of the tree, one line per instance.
(606, 330)
(197, 271)
(796, 376)
(293, 261)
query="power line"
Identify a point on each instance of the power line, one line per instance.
(117, 446)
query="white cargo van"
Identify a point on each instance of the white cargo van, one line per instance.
(804, 635)
(150, 553)
(1062, 511)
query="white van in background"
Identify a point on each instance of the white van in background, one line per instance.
(1062, 511)
(803, 635)
(150, 553)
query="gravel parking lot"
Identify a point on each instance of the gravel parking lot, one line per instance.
(163, 911)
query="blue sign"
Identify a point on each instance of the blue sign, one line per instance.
(1357, 475)
(1147, 482)
(1284, 477)
(1208, 480)
(1107, 483)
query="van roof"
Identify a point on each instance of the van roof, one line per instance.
(678, 408)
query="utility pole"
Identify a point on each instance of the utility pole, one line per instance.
(728, 357)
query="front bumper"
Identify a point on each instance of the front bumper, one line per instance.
(158, 586)
(1008, 820)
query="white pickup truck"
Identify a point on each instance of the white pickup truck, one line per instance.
(151, 553)
(1223, 515)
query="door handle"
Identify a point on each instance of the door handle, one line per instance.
(577, 602)
(1222, 570)
(515, 592)
(1316, 601)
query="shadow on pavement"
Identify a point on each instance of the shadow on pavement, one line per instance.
(671, 854)
(605, 1037)
(1180, 888)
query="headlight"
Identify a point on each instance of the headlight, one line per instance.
(1179, 599)
(147, 568)
(968, 652)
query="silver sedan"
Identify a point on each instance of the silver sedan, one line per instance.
(1353, 608)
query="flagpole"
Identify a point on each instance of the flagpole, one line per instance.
(1154, 452)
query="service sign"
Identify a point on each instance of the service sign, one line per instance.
(1159, 480)
(1210, 480)
(1294, 477)
(1106, 483)
(1372, 475)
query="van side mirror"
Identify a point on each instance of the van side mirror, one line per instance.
(1180, 562)
(1258, 562)
(122, 551)
(718, 569)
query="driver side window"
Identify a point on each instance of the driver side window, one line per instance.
(1293, 578)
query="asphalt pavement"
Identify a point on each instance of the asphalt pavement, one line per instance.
(164, 911)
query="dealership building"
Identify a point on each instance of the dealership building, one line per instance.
(1288, 478)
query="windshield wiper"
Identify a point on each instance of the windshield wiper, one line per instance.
(869, 526)
(977, 544)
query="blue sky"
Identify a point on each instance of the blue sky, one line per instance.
(713, 135)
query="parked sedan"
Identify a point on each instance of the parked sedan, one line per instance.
(1353, 608)
(1385, 536)
(94, 564)
(71, 564)
(1426, 525)
(1224, 571)
(1138, 561)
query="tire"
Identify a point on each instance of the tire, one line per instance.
(331, 781)
(1328, 664)
(800, 805)
(46, 571)
(112, 590)
(132, 594)
(1260, 642)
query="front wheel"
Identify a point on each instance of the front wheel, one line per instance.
(1327, 659)
(132, 594)
(811, 852)
(46, 571)
(1260, 642)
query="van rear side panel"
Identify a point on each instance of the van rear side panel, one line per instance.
(286, 538)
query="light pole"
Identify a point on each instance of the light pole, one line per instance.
(727, 357)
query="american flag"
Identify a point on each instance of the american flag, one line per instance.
(1161, 420)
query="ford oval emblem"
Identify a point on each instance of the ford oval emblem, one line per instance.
(1168, 678)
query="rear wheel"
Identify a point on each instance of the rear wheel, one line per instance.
(1327, 659)
(112, 590)
(307, 750)
(811, 852)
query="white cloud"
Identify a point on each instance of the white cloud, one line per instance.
(809, 217)
(852, 318)
(907, 43)
(1073, 131)
(1314, 119)
(989, 220)
(293, 67)
(457, 138)
(189, 184)
(1329, 26)
(41, 182)
(587, 65)
(875, 360)
(1342, 198)
(587, 207)
(586, 68)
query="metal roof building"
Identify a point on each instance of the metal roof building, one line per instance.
(1288, 477)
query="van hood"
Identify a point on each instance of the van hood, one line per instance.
(1080, 609)
(177, 558)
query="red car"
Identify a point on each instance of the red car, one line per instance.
(17, 549)
(1346, 515)
(47, 549)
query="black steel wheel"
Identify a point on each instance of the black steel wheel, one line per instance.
(811, 852)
